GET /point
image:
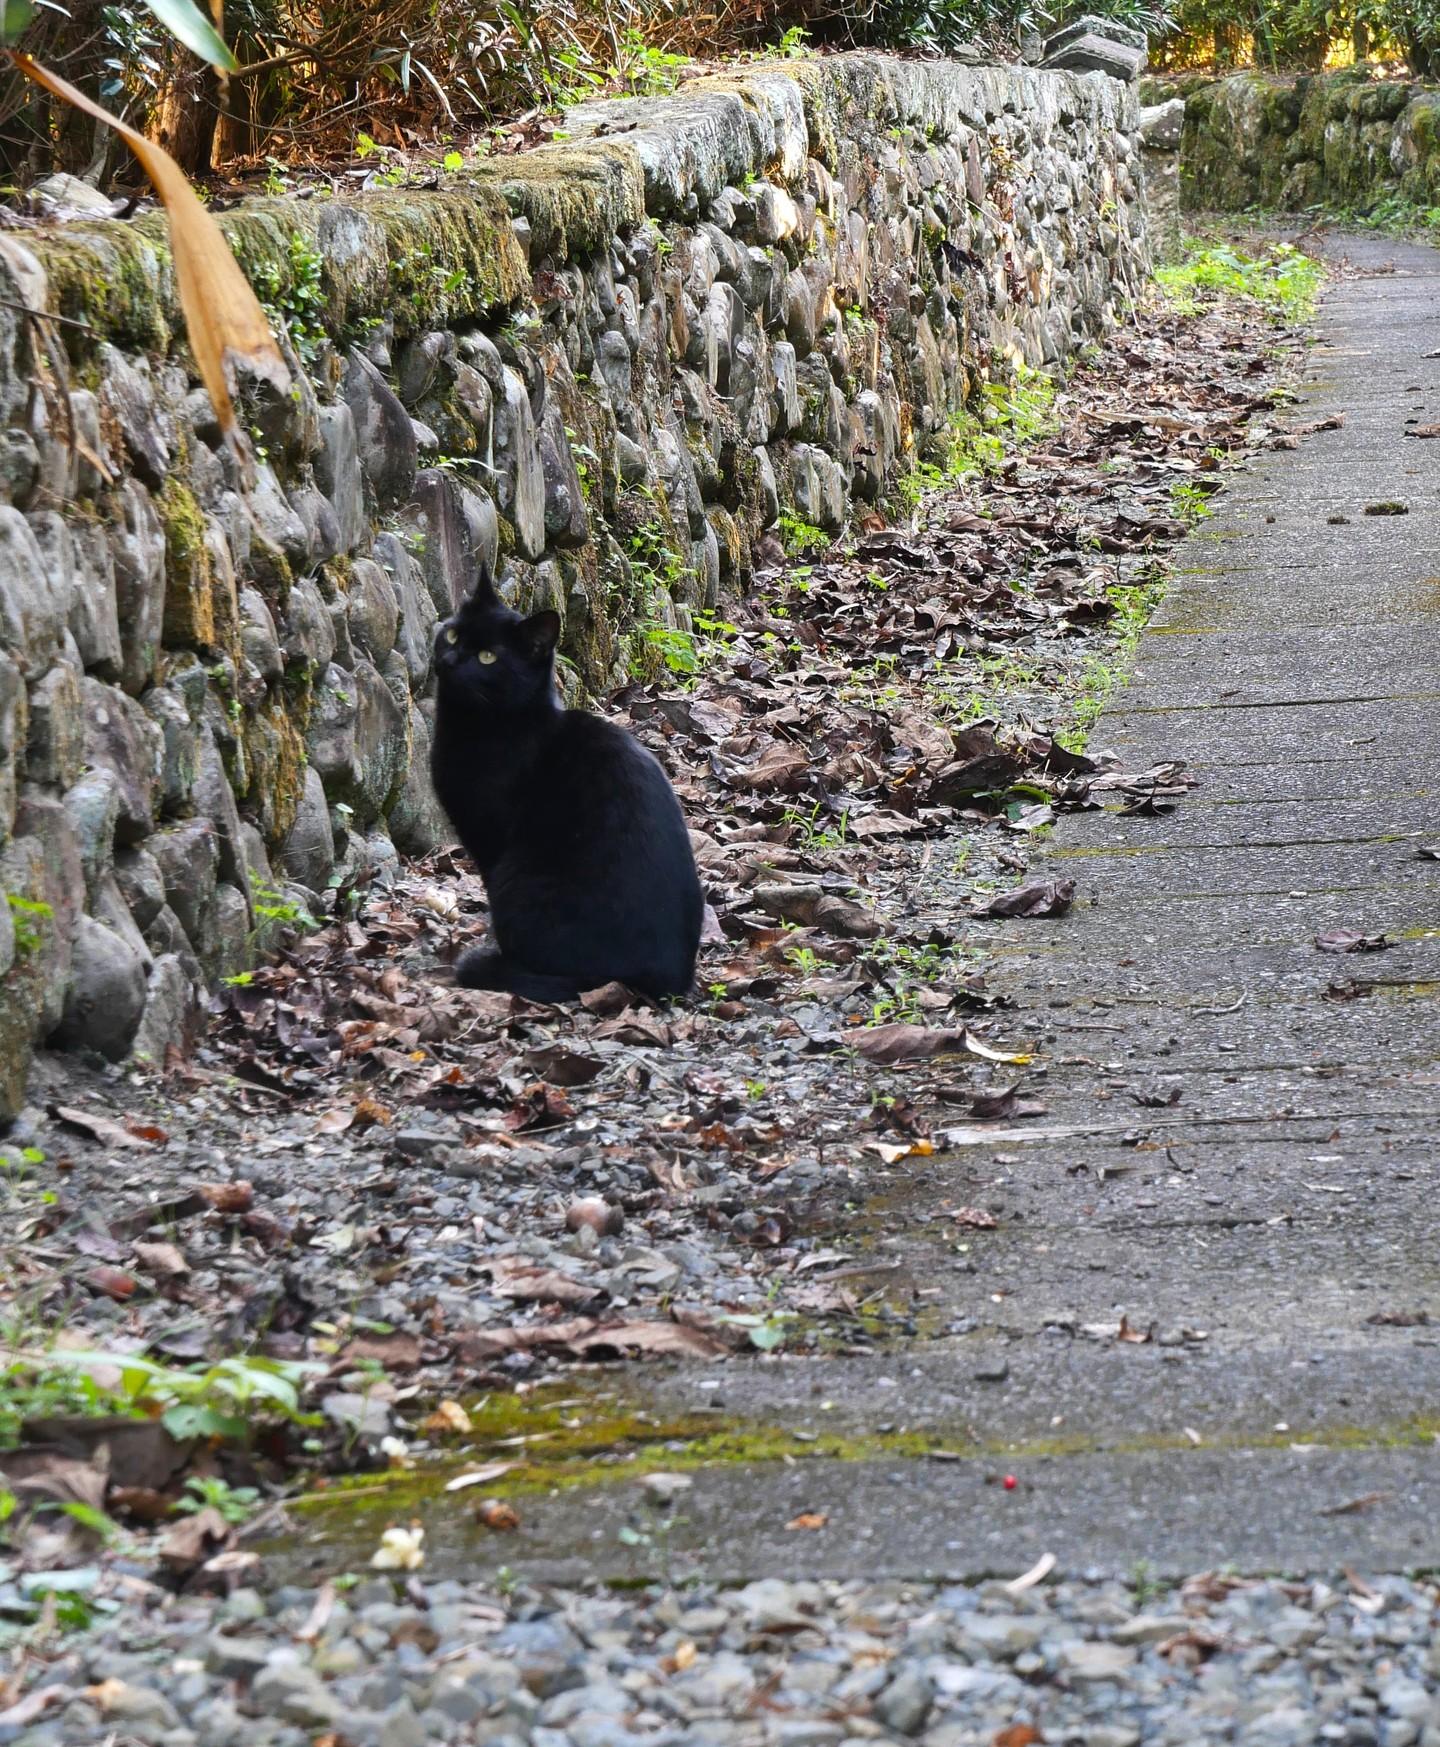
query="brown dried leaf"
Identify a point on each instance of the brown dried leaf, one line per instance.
(396, 1351)
(494, 1513)
(1034, 898)
(162, 1260)
(530, 1283)
(1351, 940)
(884, 1044)
(561, 1065)
(195, 1539)
(975, 1217)
(237, 1197)
(103, 1129)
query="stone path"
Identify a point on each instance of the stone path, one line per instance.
(1273, 1225)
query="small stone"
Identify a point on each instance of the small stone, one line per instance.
(384, 437)
(666, 1488)
(237, 1658)
(294, 1692)
(400, 1727)
(1085, 1661)
(462, 1704)
(1150, 1628)
(905, 1703)
(991, 1371)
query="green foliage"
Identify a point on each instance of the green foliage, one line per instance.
(272, 906)
(644, 70)
(1282, 280)
(296, 297)
(27, 916)
(1004, 414)
(189, 25)
(1396, 214)
(811, 833)
(906, 971)
(766, 1333)
(1300, 35)
(1192, 505)
(798, 536)
(225, 1400)
(237, 1504)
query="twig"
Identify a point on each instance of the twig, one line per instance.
(1234, 1006)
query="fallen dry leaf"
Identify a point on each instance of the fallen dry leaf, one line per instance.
(236, 1197)
(1351, 940)
(195, 1539)
(396, 1351)
(1007, 1102)
(162, 1260)
(1034, 898)
(110, 1283)
(1018, 1735)
(528, 1282)
(884, 1044)
(893, 1152)
(589, 1336)
(1354, 1506)
(448, 1419)
(494, 1513)
(561, 1065)
(105, 1129)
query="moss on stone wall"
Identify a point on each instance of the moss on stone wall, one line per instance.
(189, 572)
(1340, 139)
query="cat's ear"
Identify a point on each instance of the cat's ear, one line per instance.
(482, 596)
(538, 635)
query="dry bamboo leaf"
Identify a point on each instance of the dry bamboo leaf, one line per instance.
(222, 314)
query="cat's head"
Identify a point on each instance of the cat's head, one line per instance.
(486, 655)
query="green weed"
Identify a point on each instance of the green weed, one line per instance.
(296, 299)
(798, 536)
(274, 907)
(26, 917)
(1282, 280)
(1191, 503)
(228, 1399)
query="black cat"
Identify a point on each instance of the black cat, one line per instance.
(573, 825)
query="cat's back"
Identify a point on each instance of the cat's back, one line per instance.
(598, 756)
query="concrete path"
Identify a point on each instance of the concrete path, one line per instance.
(1275, 1225)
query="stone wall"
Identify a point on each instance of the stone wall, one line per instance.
(1340, 140)
(607, 364)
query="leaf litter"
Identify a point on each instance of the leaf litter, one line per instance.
(369, 1167)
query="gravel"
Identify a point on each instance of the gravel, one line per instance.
(1075, 1663)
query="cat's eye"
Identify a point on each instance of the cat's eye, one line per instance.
(452, 635)
(485, 656)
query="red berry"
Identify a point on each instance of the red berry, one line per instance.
(1010, 1482)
